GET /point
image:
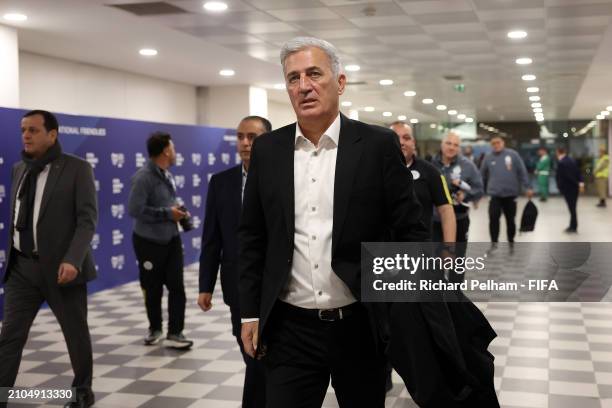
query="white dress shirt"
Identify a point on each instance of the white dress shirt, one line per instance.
(40, 188)
(312, 283)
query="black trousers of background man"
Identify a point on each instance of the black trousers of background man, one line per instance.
(25, 291)
(497, 205)
(571, 199)
(302, 352)
(463, 227)
(161, 265)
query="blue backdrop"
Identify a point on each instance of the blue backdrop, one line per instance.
(115, 148)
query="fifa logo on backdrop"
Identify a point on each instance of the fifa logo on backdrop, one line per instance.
(211, 159)
(117, 262)
(117, 186)
(237, 159)
(95, 241)
(179, 160)
(140, 159)
(1, 161)
(179, 181)
(196, 180)
(196, 158)
(196, 221)
(117, 237)
(2, 193)
(118, 159)
(97, 185)
(196, 201)
(118, 211)
(92, 159)
(2, 258)
(196, 242)
(1, 226)
(225, 158)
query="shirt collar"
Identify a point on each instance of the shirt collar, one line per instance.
(332, 132)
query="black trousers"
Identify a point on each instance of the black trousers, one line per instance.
(303, 352)
(497, 205)
(463, 227)
(161, 265)
(25, 291)
(571, 199)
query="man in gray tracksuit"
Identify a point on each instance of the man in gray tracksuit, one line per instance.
(504, 175)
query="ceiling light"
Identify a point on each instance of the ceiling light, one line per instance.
(369, 109)
(469, 120)
(539, 115)
(401, 117)
(215, 6)
(427, 101)
(605, 113)
(227, 72)
(387, 114)
(414, 120)
(600, 117)
(280, 86)
(528, 77)
(517, 34)
(537, 110)
(148, 52)
(352, 67)
(347, 103)
(461, 116)
(452, 112)
(15, 17)
(609, 108)
(441, 107)
(386, 82)
(540, 119)
(433, 126)
(565, 134)
(409, 93)
(533, 89)
(523, 61)
(536, 105)
(534, 98)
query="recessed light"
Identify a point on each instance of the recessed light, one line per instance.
(533, 89)
(452, 112)
(15, 17)
(409, 93)
(386, 82)
(414, 120)
(528, 77)
(369, 109)
(541, 119)
(605, 113)
(280, 86)
(537, 110)
(536, 105)
(427, 101)
(227, 72)
(600, 117)
(387, 114)
(565, 134)
(523, 61)
(148, 52)
(347, 103)
(441, 107)
(534, 98)
(215, 6)
(517, 34)
(352, 67)
(401, 117)
(469, 120)
(461, 116)
(433, 126)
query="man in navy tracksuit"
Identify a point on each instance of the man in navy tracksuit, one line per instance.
(570, 183)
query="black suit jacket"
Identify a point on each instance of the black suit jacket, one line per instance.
(220, 234)
(373, 199)
(67, 218)
(568, 176)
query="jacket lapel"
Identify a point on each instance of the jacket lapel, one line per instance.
(286, 141)
(236, 192)
(350, 147)
(55, 172)
(18, 177)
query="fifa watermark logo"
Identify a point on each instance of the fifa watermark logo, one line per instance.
(92, 159)
(179, 180)
(117, 237)
(196, 242)
(118, 211)
(117, 186)
(196, 158)
(95, 241)
(118, 160)
(140, 159)
(196, 180)
(117, 262)
(2, 193)
(179, 159)
(211, 159)
(196, 201)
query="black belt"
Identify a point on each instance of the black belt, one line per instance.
(19, 254)
(326, 315)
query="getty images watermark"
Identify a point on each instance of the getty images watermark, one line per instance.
(535, 271)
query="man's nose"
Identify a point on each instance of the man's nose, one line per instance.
(305, 84)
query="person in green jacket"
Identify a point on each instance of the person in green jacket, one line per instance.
(543, 172)
(601, 171)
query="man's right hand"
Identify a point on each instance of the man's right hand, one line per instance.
(249, 335)
(205, 301)
(177, 214)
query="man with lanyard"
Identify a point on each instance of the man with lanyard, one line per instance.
(543, 173)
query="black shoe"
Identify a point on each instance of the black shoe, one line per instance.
(389, 382)
(83, 400)
(492, 249)
(602, 204)
(542, 199)
(569, 230)
(177, 341)
(153, 337)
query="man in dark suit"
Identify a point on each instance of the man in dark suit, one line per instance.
(220, 248)
(53, 219)
(315, 191)
(570, 184)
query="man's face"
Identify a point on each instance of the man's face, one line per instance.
(36, 140)
(171, 152)
(451, 146)
(541, 152)
(248, 130)
(497, 144)
(407, 142)
(313, 89)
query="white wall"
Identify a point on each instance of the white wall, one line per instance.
(280, 113)
(70, 87)
(9, 67)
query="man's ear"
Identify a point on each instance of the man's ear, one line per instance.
(341, 83)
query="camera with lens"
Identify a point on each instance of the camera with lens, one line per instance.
(187, 221)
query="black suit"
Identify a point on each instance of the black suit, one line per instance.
(65, 227)
(568, 182)
(373, 198)
(220, 247)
